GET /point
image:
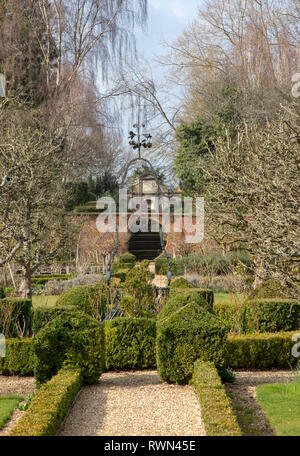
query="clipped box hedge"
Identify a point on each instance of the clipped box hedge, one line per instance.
(260, 351)
(42, 316)
(188, 334)
(72, 339)
(50, 405)
(197, 295)
(18, 312)
(260, 315)
(19, 358)
(130, 343)
(161, 267)
(216, 407)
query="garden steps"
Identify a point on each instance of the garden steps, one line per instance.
(134, 403)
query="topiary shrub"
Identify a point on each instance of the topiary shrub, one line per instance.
(42, 316)
(188, 334)
(72, 339)
(179, 300)
(130, 343)
(91, 300)
(15, 317)
(269, 289)
(2, 292)
(181, 283)
(127, 259)
(139, 295)
(197, 295)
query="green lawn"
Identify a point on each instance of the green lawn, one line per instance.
(228, 298)
(7, 406)
(44, 301)
(281, 404)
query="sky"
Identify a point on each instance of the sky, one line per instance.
(167, 20)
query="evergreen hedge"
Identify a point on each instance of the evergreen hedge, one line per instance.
(19, 358)
(188, 334)
(130, 343)
(71, 339)
(216, 407)
(50, 405)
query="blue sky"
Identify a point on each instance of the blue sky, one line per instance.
(167, 20)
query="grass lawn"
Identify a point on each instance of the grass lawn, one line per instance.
(44, 301)
(7, 406)
(281, 404)
(229, 298)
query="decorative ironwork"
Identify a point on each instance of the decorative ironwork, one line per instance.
(139, 143)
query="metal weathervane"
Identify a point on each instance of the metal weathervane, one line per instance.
(138, 141)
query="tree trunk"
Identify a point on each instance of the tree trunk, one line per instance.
(26, 284)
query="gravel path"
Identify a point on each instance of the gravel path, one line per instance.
(16, 386)
(134, 404)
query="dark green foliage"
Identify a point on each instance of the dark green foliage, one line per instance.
(181, 283)
(19, 358)
(260, 351)
(197, 295)
(161, 266)
(181, 297)
(121, 274)
(188, 334)
(15, 317)
(127, 259)
(261, 315)
(71, 339)
(2, 292)
(50, 405)
(89, 209)
(139, 295)
(195, 140)
(77, 194)
(130, 343)
(91, 300)
(216, 407)
(42, 316)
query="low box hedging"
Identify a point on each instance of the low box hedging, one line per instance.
(127, 260)
(50, 405)
(260, 315)
(260, 351)
(121, 274)
(216, 407)
(15, 317)
(188, 334)
(130, 343)
(72, 339)
(197, 295)
(42, 316)
(42, 280)
(19, 358)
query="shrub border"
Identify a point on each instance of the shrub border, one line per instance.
(216, 407)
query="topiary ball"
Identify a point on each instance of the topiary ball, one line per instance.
(181, 283)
